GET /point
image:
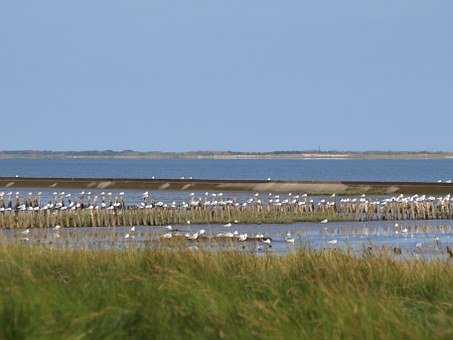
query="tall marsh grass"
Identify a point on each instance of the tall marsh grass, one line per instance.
(182, 295)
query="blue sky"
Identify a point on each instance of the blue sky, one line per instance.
(226, 75)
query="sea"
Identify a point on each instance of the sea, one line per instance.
(420, 170)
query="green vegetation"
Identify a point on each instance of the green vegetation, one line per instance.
(181, 295)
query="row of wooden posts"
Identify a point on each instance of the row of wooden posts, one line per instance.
(227, 214)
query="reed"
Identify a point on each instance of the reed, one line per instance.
(181, 294)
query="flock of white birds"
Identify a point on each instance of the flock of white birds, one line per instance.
(62, 201)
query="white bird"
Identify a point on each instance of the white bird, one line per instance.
(290, 240)
(332, 242)
(243, 237)
(133, 229)
(188, 222)
(127, 235)
(26, 232)
(227, 225)
(324, 221)
(267, 241)
(167, 235)
(57, 227)
(169, 227)
(193, 236)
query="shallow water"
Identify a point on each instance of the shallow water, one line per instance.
(134, 197)
(331, 169)
(422, 239)
(131, 197)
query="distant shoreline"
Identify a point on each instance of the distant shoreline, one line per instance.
(219, 155)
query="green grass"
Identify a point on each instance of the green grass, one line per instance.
(59, 294)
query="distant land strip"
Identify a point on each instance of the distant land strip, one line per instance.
(309, 187)
(309, 154)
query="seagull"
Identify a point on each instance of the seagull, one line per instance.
(227, 225)
(324, 221)
(193, 237)
(243, 237)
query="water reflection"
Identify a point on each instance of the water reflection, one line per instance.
(425, 239)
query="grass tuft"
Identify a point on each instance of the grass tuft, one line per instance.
(47, 293)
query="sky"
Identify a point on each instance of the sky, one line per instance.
(239, 75)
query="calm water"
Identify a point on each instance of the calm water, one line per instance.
(373, 170)
(424, 239)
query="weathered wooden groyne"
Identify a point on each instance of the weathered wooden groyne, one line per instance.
(251, 214)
